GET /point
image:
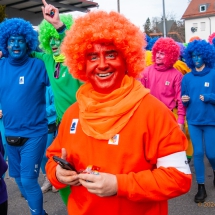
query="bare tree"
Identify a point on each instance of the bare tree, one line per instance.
(147, 26)
(155, 21)
(177, 30)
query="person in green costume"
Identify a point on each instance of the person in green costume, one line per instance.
(51, 34)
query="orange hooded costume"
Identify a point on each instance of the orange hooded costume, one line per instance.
(127, 133)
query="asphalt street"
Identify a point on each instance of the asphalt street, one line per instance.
(183, 205)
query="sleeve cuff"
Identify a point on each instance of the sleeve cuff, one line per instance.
(122, 184)
(56, 183)
(61, 29)
(206, 98)
(181, 119)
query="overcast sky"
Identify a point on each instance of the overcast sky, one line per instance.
(137, 11)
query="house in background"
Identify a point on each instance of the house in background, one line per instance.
(199, 19)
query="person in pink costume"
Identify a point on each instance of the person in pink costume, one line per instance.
(163, 80)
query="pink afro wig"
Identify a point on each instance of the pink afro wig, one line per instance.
(211, 37)
(103, 27)
(169, 47)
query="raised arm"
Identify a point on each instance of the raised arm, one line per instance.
(51, 15)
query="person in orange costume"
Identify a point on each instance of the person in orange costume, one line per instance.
(116, 125)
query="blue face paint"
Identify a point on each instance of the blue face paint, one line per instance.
(197, 59)
(17, 46)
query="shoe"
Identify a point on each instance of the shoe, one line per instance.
(201, 194)
(46, 185)
(54, 190)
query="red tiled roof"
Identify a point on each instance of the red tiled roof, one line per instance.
(193, 10)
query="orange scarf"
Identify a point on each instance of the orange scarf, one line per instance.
(104, 115)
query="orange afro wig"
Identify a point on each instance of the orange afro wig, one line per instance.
(170, 48)
(103, 27)
(194, 38)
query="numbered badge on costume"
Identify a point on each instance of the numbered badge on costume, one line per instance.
(73, 126)
(207, 84)
(114, 140)
(167, 83)
(21, 80)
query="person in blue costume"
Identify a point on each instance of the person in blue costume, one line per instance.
(51, 116)
(198, 95)
(22, 96)
(3, 190)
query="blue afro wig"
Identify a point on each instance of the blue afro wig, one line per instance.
(203, 48)
(17, 26)
(213, 41)
(151, 43)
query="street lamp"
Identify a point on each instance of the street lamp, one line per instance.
(164, 20)
(118, 6)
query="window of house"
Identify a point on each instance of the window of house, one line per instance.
(203, 26)
(203, 8)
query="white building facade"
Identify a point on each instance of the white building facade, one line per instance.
(199, 19)
(201, 27)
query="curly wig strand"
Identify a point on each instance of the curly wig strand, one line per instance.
(203, 48)
(103, 27)
(46, 31)
(169, 47)
(17, 26)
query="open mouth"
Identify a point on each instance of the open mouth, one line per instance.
(104, 75)
(54, 49)
(16, 51)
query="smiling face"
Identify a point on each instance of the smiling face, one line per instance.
(159, 58)
(197, 59)
(55, 46)
(105, 68)
(17, 46)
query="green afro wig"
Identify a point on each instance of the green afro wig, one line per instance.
(46, 31)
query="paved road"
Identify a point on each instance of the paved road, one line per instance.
(183, 205)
